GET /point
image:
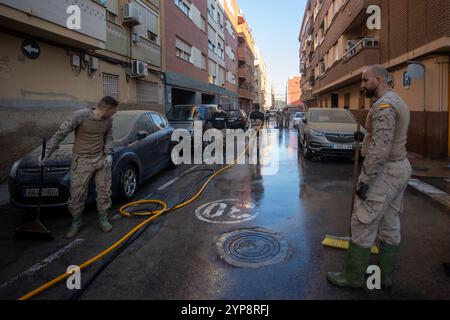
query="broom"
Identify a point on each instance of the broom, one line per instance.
(344, 242)
(36, 229)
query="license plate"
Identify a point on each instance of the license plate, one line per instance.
(45, 192)
(343, 146)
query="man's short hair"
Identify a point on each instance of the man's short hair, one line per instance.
(108, 102)
(379, 71)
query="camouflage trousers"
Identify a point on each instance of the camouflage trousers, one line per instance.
(82, 170)
(379, 215)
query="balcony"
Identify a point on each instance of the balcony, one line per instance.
(245, 73)
(347, 71)
(47, 20)
(361, 45)
(246, 92)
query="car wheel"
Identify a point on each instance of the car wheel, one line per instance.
(128, 182)
(171, 164)
(307, 152)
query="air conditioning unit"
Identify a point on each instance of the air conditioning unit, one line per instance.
(131, 14)
(93, 64)
(139, 69)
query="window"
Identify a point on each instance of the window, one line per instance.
(183, 6)
(183, 50)
(347, 100)
(211, 11)
(220, 51)
(111, 17)
(362, 100)
(158, 121)
(336, 52)
(203, 66)
(203, 24)
(143, 124)
(152, 37)
(110, 85)
(146, 92)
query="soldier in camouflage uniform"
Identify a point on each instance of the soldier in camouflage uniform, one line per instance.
(92, 157)
(382, 183)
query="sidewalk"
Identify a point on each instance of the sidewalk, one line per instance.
(431, 177)
(429, 168)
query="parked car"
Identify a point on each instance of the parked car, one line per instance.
(142, 148)
(237, 119)
(182, 116)
(298, 118)
(328, 132)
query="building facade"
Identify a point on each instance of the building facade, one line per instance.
(336, 44)
(195, 54)
(48, 70)
(294, 91)
(246, 58)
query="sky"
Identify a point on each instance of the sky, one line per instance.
(275, 26)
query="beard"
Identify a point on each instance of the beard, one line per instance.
(370, 93)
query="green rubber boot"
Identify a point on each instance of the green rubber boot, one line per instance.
(358, 259)
(388, 253)
(103, 221)
(74, 227)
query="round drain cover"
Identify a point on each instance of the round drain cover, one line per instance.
(251, 248)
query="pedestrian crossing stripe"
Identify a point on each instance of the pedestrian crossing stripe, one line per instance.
(384, 106)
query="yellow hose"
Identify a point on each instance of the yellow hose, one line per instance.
(153, 215)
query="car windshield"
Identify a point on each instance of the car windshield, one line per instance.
(332, 116)
(234, 114)
(185, 113)
(122, 125)
(299, 115)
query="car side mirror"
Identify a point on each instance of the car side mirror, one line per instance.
(142, 135)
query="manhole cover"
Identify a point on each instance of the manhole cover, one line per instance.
(251, 248)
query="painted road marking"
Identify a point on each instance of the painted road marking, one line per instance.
(168, 184)
(228, 211)
(40, 265)
(434, 193)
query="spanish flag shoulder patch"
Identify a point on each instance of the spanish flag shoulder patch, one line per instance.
(384, 106)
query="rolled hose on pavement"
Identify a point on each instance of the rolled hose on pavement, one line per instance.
(152, 214)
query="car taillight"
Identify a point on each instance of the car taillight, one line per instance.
(241, 119)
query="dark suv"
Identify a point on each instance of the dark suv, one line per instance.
(182, 116)
(237, 119)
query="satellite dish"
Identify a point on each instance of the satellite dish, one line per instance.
(416, 70)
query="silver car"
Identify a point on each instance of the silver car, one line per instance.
(298, 118)
(328, 132)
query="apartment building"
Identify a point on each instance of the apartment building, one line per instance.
(262, 82)
(412, 36)
(47, 70)
(246, 70)
(195, 65)
(294, 93)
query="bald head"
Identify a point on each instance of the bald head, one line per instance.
(379, 71)
(375, 80)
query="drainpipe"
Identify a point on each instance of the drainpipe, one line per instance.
(416, 75)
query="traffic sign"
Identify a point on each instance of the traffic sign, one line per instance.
(31, 49)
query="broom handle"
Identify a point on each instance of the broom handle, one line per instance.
(355, 179)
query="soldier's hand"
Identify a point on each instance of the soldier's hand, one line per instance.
(361, 190)
(359, 136)
(109, 161)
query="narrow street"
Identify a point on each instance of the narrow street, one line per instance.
(282, 220)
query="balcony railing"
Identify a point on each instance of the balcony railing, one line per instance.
(361, 45)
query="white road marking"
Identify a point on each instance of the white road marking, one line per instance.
(434, 193)
(171, 182)
(40, 265)
(168, 184)
(227, 211)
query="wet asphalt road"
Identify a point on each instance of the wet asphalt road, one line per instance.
(176, 258)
